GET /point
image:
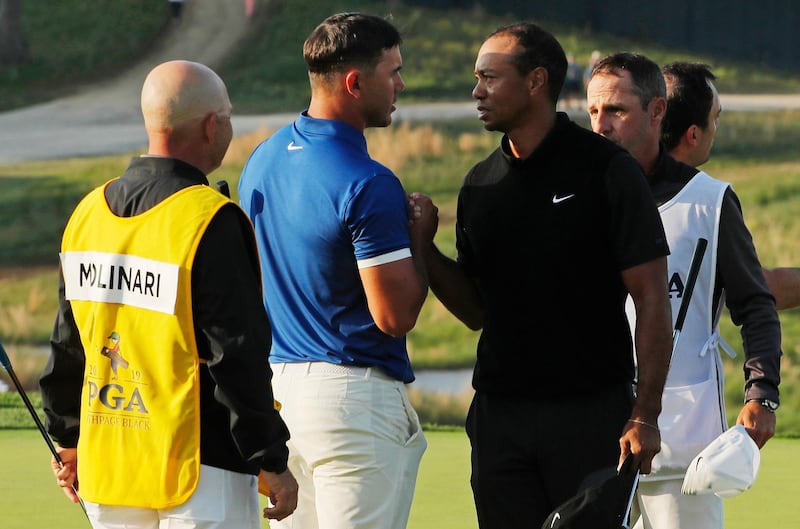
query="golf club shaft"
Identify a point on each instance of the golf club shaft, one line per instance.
(6, 362)
(35, 416)
(691, 279)
(626, 522)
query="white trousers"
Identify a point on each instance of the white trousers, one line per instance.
(355, 447)
(222, 500)
(660, 505)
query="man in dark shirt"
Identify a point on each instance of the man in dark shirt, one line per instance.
(217, 321)
(553, 229)
(690, 124)
(627, 102)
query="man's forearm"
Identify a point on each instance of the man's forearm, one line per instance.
(784, 283)
(653, 349)
(453, 288)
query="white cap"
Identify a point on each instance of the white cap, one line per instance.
(726, 467)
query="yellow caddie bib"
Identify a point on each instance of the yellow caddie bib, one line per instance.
(128, 280)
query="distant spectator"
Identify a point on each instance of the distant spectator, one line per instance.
(587, 72)
(573, 88)
(176, 9)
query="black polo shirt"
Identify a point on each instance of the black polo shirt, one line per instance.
(547, 238)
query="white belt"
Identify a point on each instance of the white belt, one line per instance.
(308, 368)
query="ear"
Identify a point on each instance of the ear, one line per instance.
(691, 135)
(352, 81)
(657, 109)
(537, 79)
(210, 127)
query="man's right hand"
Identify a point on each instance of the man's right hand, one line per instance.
(423, 218)
(282, 493)
(642, 439)
(67, 476)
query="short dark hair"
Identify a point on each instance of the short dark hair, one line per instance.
(345, 40)
(648, 82)
(539, 48)
(689, 99)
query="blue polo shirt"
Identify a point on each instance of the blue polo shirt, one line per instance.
(322, 208)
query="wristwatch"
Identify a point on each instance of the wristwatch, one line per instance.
(771, 405)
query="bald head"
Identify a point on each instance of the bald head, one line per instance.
(187, 114)
(178, 92)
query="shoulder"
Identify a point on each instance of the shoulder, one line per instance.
(582, 143)
(281, 137)
(228, 227)
(710, 180)
(702, 186)
(490, 170)
(588, 155)
(676, 170)
(374, 183)
(269, 151)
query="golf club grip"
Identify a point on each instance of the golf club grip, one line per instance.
(4, 360)
(694, 270)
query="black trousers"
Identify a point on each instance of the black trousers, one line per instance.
(529, 456)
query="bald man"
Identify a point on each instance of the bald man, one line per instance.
(160, 273)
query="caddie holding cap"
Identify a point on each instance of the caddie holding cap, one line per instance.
(726, 467)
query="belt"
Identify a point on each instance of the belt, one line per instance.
(330, 369)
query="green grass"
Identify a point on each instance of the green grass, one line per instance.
(72, 42)
(14, 415)
(44, 194)
(29, 497)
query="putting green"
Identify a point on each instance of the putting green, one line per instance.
(30, 499)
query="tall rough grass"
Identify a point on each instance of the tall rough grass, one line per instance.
(437, 408)
(28, 363)
(17, 320)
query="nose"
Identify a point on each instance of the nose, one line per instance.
(478, 92)
(400, 85)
